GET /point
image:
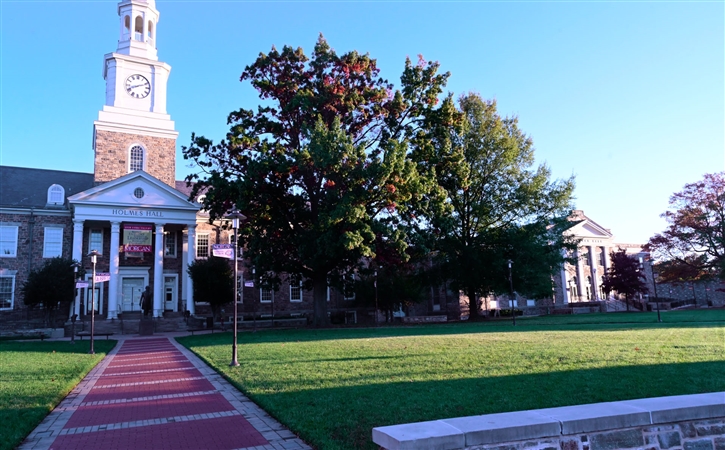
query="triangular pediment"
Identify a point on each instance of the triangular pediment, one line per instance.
(136, 197)
(137, 189)
(586, 228)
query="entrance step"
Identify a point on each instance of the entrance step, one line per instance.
(146, 327)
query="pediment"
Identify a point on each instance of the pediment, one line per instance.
(588, 229)
(135, 190)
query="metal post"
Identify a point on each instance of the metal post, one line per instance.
(235, 216)
(76, 265)
(654, 283)
(94, 259)
(511, 287)
(376, 298)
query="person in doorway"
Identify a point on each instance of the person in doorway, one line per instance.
(146, 301)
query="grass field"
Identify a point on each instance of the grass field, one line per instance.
(333, 386)
(34, 378)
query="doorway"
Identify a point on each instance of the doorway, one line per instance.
(131, 290)
(170, 292)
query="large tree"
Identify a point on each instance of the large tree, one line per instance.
(624, 276)
(498, 206)
(213, 282)
(321, 168)
(52, 286)
(695, 235)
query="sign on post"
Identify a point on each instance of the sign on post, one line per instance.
(223, 250)
(81, 284)
(102, 276)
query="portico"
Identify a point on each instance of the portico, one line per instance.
(137, 221)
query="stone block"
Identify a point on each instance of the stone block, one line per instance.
(505, 427)
(682, 407)
(419, 436)
(701, 444)
(720, 443)
(617, 439)
(569, 444)
(710, 428)
(597, 417)
(669, 439)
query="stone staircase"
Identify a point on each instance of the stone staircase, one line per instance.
(129, 323)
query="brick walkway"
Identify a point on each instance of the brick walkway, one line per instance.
(155, 394)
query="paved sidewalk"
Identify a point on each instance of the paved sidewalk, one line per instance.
(153, 393)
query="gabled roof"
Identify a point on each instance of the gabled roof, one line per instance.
(584, 227)
(120, 192)
(23, 187)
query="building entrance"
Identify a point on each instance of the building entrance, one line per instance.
(170, 289)
(131, 289)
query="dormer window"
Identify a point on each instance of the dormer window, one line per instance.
(56, 195)
(136, 158)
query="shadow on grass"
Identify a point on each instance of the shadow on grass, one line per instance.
(343, 417)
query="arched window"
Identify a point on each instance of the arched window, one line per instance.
(150, 30)
(126, 27)
(56, 195)
(136, 158)
(138, 29)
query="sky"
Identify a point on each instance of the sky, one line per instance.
(629, 97)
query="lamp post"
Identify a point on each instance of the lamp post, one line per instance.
(76, 265)
(94, 259)
(376, 297)
(236, 216)
(654, 283)
(511, 287)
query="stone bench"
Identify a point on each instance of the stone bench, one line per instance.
(424, 319)
(684, 421)
(95, 335)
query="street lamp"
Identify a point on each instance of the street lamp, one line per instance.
(76, 265)
(511, 286)
(94, 259)
(376, 297)
(236, 216)
(654, 283)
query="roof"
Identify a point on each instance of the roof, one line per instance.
(23, 187)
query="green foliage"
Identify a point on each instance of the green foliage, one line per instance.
(624, 276)
(333, 386)
(321, 171)
(695, 236)
(35, 377)
(497, 206)
(213, 282)
(52, 285)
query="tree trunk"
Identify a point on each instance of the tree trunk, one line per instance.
(473, 305)
(319, 300)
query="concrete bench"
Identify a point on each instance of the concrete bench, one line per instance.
(424, 319)
(194, 330)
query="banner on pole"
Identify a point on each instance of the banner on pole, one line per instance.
(223, 250)
(137, 238)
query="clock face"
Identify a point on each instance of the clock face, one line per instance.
(138, 86)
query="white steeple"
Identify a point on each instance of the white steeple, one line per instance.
(138, 28)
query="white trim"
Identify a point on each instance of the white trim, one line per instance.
(143, 157)
(58, 190)
(208, 245)
(51, 238)
(175, 305)
(90, 240)
(261, 297)
(299, 285)
(9, 274)
(6, 251)
(170, 234)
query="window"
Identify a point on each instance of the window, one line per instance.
(170, 244)
(348, 287)
(8, 241)
(7, 291)
(603, 258)
(138, 28)
(52, 242)
(265, 295)
(136, 158)
(95, 240)
(295, 288)
(202, 245)
(56, 195)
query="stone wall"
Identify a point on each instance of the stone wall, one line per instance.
(685, 422)
(112, 154)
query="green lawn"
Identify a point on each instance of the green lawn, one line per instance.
(34, 378)
(333, 386)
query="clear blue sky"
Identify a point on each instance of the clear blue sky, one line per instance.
(627, 96)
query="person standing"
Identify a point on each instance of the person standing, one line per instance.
(146, 301)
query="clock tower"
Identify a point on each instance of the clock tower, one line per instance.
(133, 131)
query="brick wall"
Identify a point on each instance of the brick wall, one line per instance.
(112, 153)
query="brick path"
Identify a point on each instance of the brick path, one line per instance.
(155, 394)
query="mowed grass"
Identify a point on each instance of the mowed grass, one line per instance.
(34, 378)
(333, 386)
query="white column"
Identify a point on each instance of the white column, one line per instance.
(184, 265)
(159, 271)
(579, 275)
(190, 257)
(78, 256)
(113, 282)
(593, 273)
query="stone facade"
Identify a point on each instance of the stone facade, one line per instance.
(112, 156)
